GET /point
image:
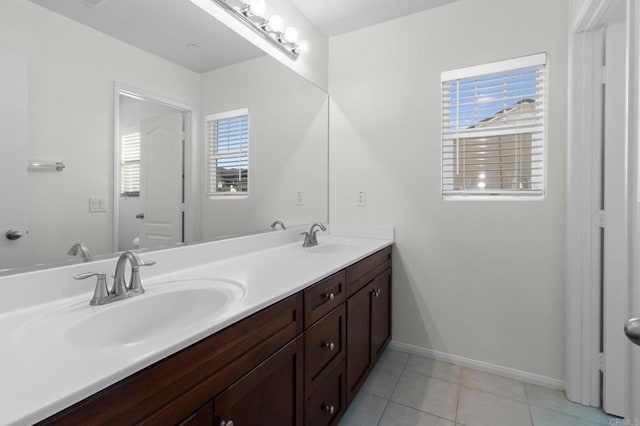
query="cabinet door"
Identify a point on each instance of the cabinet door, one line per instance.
(359, 341)
(271, 394)
(380, 313)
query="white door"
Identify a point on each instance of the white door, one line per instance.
(161, 180)
(13, 160)
(615, 259)
(632, 378)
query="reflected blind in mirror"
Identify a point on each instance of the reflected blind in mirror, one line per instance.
(130, 165)
(228, 153)
(493, 129)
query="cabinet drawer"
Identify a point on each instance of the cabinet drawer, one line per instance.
(327, 405)
(323, 297)
(361, 273)
(324, 347)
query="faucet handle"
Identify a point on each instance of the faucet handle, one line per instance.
(135, 285)
(101, 291)
(84, 276)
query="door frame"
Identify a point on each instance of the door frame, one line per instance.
(583, 200)
(191, 201)
(632, 359)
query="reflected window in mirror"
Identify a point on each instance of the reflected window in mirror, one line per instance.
(228, 153)
(130, 164)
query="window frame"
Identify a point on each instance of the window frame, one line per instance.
(123, 134)
(508, 65)
(218, 117)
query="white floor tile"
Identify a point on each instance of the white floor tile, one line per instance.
(438, 369)
(544, 417)
(494, 384)
(427, 394)
(365, 410)
(557, 401)
(400, 415)
(477, 408)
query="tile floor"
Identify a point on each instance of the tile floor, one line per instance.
(409, 390)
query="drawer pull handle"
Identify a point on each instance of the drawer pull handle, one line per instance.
(226, 423)
(329, 345)
(330, 296)
(329, 408)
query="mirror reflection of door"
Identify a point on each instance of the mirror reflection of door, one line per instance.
(150, 208)
(13, 159)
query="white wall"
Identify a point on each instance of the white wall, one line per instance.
(575, 7)
(72, 70)
(485, 279)
(288, 143)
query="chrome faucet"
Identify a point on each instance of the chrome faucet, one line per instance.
(80, 249)
(310, 238)
(120, 290)
(276, 223)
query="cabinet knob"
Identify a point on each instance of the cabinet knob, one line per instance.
(329, 408)
(329, 345)
(226, 423)
(330, 296)
(376, 292)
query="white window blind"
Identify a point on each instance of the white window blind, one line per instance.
(130, 165)
(228, 153)
(493, 129)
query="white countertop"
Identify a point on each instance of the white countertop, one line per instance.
(41, 373)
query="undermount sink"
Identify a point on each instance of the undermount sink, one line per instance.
(331, 248)
(165, 308)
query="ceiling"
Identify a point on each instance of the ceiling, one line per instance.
(165, 28)
(333, 17)
(180, 32)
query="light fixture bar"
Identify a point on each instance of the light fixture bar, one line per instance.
(291, 50)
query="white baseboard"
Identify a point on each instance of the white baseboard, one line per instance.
(511, 373)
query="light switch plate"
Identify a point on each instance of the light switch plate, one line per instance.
(361, 199)
(97, 204)
(299, 201)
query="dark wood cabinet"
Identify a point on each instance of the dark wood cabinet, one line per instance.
(324, 296)
(368, 318)
(271, 394)
(325, 345)
(202, 417)
(299, 361)
(380, 314)
(327, 405)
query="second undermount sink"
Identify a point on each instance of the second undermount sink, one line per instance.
(164, 309)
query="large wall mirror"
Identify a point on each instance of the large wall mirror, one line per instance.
(146, 124)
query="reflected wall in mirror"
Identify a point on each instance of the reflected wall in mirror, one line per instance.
(174, 52)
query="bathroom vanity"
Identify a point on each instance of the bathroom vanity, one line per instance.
(295, 353)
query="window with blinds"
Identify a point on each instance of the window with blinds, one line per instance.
(130, 165)
(493, 129)
(227, 137)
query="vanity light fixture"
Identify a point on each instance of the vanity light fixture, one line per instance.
(251, 13)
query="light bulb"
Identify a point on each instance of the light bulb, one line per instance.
(258, 7)
(303, 46)
(276, 23)
(291, 35)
